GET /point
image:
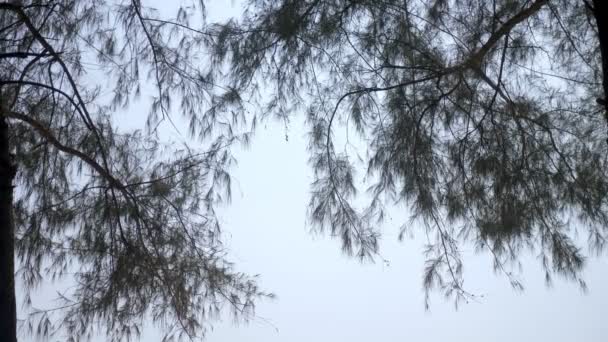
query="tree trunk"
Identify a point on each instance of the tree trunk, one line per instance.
(600, 12)
(8, 312)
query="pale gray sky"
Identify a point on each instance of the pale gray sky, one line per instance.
(323, 295)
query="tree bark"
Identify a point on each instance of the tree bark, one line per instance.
(8, 312)
(600, 12)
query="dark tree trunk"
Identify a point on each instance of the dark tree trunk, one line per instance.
(600, 11)
(8, 312)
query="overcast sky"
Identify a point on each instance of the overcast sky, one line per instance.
(323, 295)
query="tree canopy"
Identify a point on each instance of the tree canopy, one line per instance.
(486, 118)
(130, 219)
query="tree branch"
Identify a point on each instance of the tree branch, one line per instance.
(22, 55)
(46, 134)
(476, 59)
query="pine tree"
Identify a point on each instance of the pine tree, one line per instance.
(130, 219)
(487, 118)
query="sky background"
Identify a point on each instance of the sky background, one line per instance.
(323, 295)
